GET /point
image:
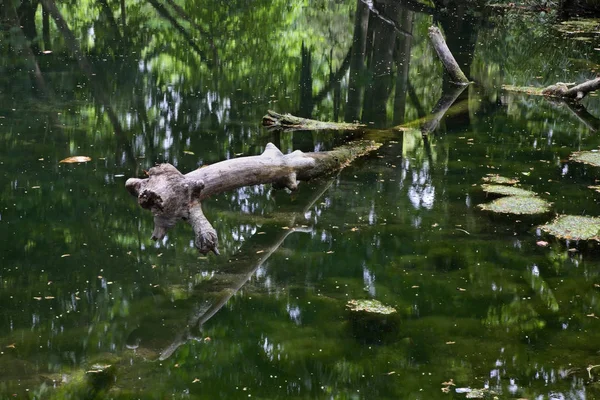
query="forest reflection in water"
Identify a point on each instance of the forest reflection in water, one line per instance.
(133, 84)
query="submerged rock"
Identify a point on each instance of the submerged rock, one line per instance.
(372, 321)
(587, 157)
(517, 205)
(574, 227)
(370, 306)
(507, 190)
(499, 180)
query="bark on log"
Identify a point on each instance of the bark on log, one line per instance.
(172, 196)
(561, 90)
(443, 52)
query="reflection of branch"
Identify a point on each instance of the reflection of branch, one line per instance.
(84, 65)
(166, 15)
(583, 115)
(13, 19)
(448, 98)
(386, 19)
(412, 94)
(181, 12)
(110, 17)
(334, 79)
(251, 257)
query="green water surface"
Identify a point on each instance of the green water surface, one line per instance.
(481, 305)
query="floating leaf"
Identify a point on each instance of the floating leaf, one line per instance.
(76, 159)
(370, 306)
(506, 190)
(586, 157)
(596, 188)
(519, 205)
(188, 152)
(500, 180)
(574, 227)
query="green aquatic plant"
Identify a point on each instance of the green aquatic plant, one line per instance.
(574, 227)
(506, 190)
(519, 205)
(587, 157)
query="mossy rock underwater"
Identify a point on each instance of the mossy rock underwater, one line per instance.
(499, 180)
(502, 190)
(587, 157)
(574, 227)
(518, 205)
(371, 321)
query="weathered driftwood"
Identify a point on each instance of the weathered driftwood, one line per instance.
(443, 52)
(561, 90)
(172, 196)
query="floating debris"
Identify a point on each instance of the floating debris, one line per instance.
(507, 190)
(574, 227)
(587, 157)
(519, 205)
(499, 180)
(75, 159)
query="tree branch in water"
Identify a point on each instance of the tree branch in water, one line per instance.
(172, 196)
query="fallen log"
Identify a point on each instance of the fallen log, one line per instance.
(172, 196)
(567, 91)
(446, 57)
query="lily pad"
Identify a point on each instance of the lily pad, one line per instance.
(507, 190)
(574, 227)
(587, 157)
(370, 306)
(500, 180)
(519, 205)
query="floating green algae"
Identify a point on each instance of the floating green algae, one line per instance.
(574, 227)
(587, 157)
(507, 190)
(370, 306)
(500, 180)
(519, 205)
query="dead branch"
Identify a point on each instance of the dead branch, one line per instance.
(172, 196)
(446, 57)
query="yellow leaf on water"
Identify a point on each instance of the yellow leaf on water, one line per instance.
(11, 346)
(76, 159)
(49, 297)
(65, 255)
(188, 152)
(196, 380)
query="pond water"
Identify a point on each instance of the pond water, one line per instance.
(480, 304)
